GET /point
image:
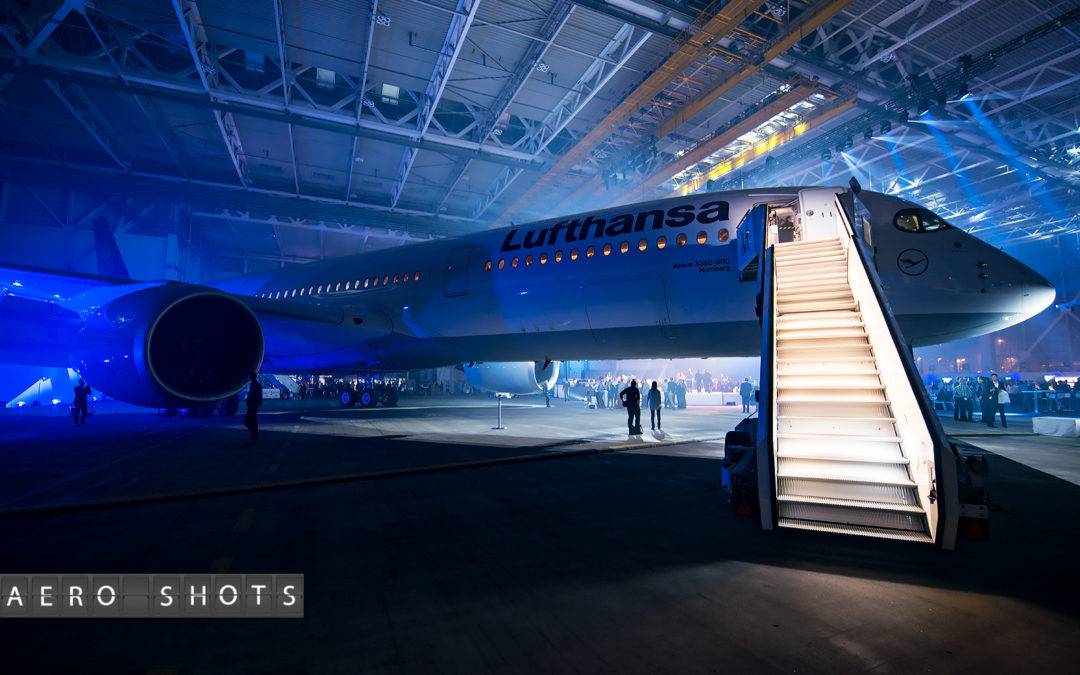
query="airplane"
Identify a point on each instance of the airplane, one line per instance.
(670, 278)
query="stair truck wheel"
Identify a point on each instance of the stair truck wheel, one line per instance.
(368, 398)
(347, 398)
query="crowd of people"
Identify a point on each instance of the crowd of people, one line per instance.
(990, 395)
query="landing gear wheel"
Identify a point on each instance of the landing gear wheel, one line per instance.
(388, 396)
(368, 398)
(347, 398)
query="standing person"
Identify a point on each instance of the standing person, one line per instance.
(81, 404)
(962, 400)
(654, 406)
(547, 401)
(986, 395)
(254, 402)
(1001, 397)
(631, 400)
(746, 390)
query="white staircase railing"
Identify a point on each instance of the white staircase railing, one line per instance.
(877, 467)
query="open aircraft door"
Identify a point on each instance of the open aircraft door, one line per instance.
(751, 234)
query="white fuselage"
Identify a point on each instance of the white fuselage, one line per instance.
(533, 292)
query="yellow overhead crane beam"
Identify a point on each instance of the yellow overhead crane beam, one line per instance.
(761, 148)
(806, 24)
(799, 91)
(691, 48)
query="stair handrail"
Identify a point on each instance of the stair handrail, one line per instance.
(766, 466)
(945, 478)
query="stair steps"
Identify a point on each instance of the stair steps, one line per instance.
(839, 463)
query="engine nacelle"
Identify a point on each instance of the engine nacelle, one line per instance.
(513, 377)
(170, 346)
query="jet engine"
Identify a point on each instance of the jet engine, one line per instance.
(513, 377)
(170, 346)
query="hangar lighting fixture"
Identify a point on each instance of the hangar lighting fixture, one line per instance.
(777, 8)
(542, 67)
(757, 142)
(382, 20)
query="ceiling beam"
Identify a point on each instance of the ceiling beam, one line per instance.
(286, 83)
(178, 91)
(195, 36)
(361, 92)
(90, 118)
(691, 46)
(440, 75)
(806, 24)
(595, 78)
(553, 24)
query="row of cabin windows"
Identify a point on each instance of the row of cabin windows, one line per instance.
(370, 282)
(624, 247)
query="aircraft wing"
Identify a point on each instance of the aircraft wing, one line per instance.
(41, 311)
(35, 283)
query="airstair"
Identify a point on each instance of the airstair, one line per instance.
(847, 443)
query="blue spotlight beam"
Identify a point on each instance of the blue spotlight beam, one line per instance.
(961, 175)
(1037, 186)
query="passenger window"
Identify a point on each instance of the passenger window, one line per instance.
(338, 287)
(590, 252)
(367, 282)
(514, 262)
(702, 237)
(920, 220)
(320, 288)
(487, 266)
(416, 275)
(558, 256)
(385, 279)
(680, 240)
(358, 283)
(543, 258)
(624, 247)
(528, 261)
(723, 235)
(642, 245)
(502, 263)
(661, 242)
(301, 292)
(348, 285)
(294, 292)
(573, 254)
(375, 283)
(396, 278)
(311, 290)
(607, 249)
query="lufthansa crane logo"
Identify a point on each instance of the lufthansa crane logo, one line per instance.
(912, 262)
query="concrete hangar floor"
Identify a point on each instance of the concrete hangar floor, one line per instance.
(432, 543)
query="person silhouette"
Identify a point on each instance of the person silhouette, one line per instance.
(654, 406)
(631, 399)
(254, 402)
(81, 403)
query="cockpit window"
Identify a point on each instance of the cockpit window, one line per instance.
(919, 220)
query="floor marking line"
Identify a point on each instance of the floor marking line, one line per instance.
(322, 481)
(97, 468)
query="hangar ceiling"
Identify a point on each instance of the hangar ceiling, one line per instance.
(279, 131)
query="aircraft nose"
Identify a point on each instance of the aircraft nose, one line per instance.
(1038, 295)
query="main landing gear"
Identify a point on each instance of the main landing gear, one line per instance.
(369, 396)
